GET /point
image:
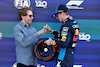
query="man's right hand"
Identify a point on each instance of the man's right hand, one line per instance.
(42, 31)
(48, 28)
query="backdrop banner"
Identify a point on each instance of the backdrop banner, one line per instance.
(85, 12)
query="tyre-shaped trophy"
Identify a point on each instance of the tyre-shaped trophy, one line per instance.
(44, 52)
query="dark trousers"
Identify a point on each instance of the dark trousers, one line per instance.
(22, 65)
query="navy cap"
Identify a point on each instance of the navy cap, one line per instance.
(59, 9)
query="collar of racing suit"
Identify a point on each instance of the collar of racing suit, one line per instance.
(71, 18)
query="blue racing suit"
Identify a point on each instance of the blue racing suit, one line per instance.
(66, 40)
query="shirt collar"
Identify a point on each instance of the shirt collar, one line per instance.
(23, 24)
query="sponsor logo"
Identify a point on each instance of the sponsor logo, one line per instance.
(75, 38)
(83, 36)
(60, 10)
(76, 32)
(65, 28)
(40, 3)
(22, 3)
(64, 37)
(74, 4)
(0, 35)
(63, 40)
(64, 33)
(75, 26)
(74, 45)
(74, 21)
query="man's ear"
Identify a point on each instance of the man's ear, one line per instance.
(63, 13)
(22, 16)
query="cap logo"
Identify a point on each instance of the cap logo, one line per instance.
(60, 10)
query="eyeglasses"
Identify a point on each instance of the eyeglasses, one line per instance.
(30, 16)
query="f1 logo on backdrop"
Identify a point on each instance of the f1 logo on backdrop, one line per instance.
(74, 4)
(40, 3)
(22, 3)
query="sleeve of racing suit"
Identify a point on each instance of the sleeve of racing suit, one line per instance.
(75, 30)
(55, 34)
(68, 33)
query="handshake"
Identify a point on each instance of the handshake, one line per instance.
(43, 31)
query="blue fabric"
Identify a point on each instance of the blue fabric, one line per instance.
(62, 53)
(25, 39)
(56, 9)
